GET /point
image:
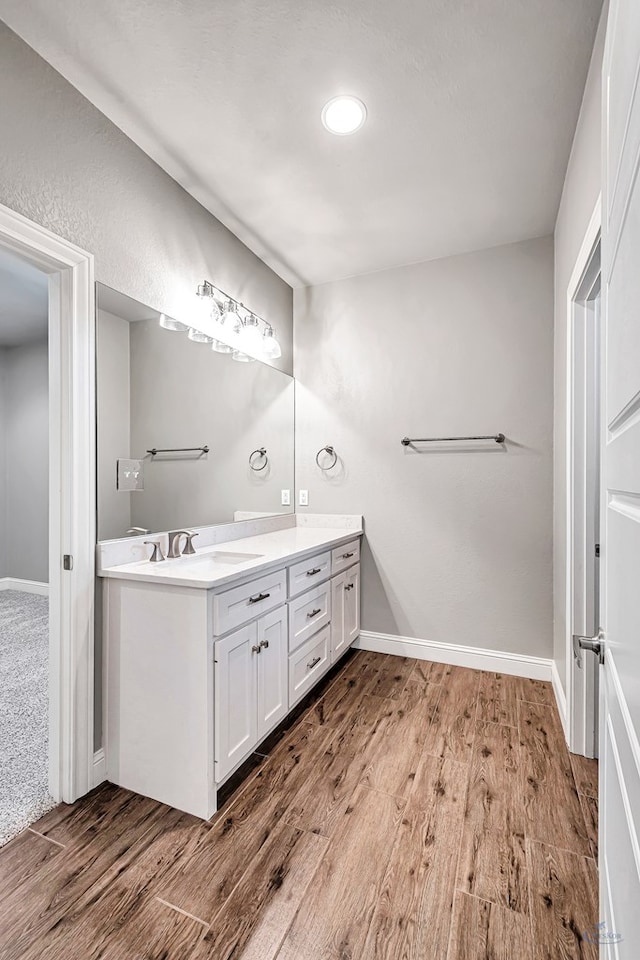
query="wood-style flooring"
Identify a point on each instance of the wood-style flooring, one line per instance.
(412, 811)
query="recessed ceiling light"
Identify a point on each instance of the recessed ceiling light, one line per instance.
(344, 115)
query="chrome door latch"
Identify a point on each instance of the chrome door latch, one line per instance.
(594, 644)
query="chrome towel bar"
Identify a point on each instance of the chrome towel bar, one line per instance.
(406, 441)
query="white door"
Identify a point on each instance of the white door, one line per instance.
(352, 605)
(236, 724)
(620, 558)
(338, 613)
(273, 669)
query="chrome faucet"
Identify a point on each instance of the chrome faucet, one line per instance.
(174, 543)
(157, 554)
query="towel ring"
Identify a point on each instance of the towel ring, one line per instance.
(331, 453)
(253, 459)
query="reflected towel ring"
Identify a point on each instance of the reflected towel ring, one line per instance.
(261, 454)
(331, 453)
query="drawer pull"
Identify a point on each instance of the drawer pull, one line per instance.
(264, 643)
(312, 573)
(314, 663)
(261, 596)
(345, 556)
(255, 648)
(314, 613)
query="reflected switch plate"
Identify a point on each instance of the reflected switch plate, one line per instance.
(130, 475)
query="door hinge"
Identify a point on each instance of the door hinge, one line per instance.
(597, 549)
(67, 562)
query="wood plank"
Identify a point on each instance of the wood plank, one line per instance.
(75, 878)
(396, 747)
(259, 911)
(585, 774)
(154, 932)
(392, 677)
(23, 858)
(333, 919)
(354, 735)
(427, 671)
(413, 911)
(75, 823)
(451, 733)
(551, 802)
(357, 678)
(201, 882)
(320, 803)
(590, 813)
(497, 700)
(534, 691)
(492, 862)
(564, 903)
(481, 930)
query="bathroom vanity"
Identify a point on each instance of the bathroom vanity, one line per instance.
(206, 654)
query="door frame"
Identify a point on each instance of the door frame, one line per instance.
(576, 693)
(72, 496)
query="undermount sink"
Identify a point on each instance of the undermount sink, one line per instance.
(224, 556)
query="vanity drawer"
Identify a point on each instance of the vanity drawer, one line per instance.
(309, 572)
(307, 665)
(240, 604)
(307, 613)
(345, 556)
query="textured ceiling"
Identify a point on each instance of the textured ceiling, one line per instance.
(24, 301)
(472, 108)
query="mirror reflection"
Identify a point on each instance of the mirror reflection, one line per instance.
(186, 436)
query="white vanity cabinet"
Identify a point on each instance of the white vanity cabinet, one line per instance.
(250, 670)
(200, 672)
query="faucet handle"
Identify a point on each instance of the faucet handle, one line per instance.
(157, 555)
(188, 547)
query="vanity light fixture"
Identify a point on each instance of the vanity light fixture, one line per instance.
(271, 349)
(231, 328)
(344, 115)
(198, 336)
(168, 323)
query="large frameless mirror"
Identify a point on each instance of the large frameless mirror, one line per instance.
(186, 436)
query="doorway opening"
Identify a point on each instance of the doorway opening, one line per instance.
(584, 444)
(24, 544)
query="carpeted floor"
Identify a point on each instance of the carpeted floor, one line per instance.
(24, 710)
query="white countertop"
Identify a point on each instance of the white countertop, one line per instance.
(204, 570)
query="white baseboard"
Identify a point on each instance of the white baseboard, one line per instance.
(99, 768)
(25, 586)
(480, 658)
(561, 699)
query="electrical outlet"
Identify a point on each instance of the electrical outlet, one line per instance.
(304, 498)
(130, 475)
(285, 498)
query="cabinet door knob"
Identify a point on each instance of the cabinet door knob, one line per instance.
(349, 586)
(255, 648)
(264, 643)
(314, 613)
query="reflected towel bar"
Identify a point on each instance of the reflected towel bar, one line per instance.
(498, 437)
(155, 450)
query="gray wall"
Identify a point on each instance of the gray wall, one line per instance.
(66, 166)
(3, 467)
(458, 542)
(25, 383)
(579, 197)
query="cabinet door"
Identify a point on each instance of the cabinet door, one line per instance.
(272, 664)
(236, 723)
(352, 605)
(338, 611)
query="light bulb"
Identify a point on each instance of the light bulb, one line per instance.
(271, 349)
(250, 337)
(221, 347)
(344, 115)
(168, 323)
(242, 357)
(198, 336)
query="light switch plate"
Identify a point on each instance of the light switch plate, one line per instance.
(130, 475)
(285, 498)
(304, 498)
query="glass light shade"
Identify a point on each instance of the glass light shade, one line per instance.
(198, 336)
(221, 347)
(271, 349)
(168, 323)
(242, 357)
(344, 115)
(251, 337)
